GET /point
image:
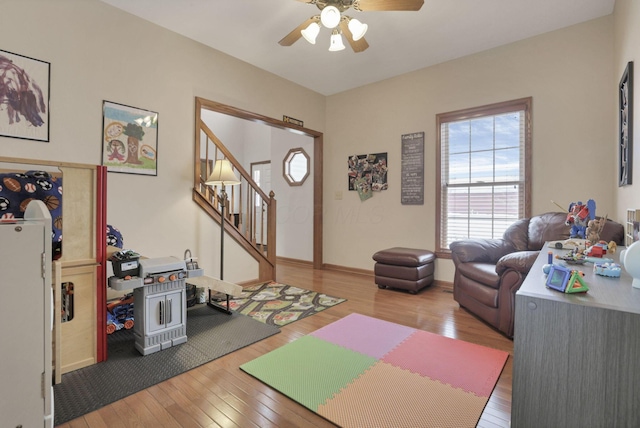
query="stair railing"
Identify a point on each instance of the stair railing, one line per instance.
(250, 213)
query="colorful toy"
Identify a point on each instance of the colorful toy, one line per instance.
(579, 216)
(597, 250)
(566, 280)
(594, 228)
(607, 269)
(547, 267)
(574, 257)
(120, 314)
(112, 323)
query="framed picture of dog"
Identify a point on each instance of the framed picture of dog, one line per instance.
(24, 97)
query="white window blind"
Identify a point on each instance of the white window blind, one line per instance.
(483, 158)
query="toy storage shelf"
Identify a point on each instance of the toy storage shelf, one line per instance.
(633, 216)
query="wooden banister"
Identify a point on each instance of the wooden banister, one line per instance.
(251, 214)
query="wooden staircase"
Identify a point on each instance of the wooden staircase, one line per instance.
(250, 213)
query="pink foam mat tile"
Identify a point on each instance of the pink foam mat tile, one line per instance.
(473, 368)
(367, 335)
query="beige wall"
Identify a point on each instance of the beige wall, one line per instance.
(627, 48)
(567, 72)
(100, 53)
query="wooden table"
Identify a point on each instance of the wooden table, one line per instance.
(576, 356)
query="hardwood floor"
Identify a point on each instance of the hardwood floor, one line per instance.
(220, 394)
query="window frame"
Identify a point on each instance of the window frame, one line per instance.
(521, 104)
(286, 166)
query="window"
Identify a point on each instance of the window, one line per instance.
(484, 171)
(296, 167)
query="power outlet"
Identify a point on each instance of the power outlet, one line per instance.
(337, 195)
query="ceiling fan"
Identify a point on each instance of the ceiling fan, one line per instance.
(331, 17)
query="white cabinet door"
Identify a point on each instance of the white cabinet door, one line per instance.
(22, 334)
(156, 313)
(174, 306)
(164, 310)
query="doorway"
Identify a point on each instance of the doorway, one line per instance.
(317, 150)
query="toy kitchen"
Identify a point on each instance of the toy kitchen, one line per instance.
(160, 296)
(160, 309)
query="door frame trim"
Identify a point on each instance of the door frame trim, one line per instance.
(318, 140)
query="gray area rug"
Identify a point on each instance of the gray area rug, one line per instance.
(210, 335)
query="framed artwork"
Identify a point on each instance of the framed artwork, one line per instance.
(625, 111)
(367, 173)
(129, 139)
(24, 97)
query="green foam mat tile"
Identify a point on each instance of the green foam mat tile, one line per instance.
(309, 370)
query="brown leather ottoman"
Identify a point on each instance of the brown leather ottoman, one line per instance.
(404, 268)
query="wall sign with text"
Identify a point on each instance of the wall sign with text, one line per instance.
(412, 173)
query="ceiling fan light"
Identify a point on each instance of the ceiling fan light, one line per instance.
(311, 32)
(330, 16)
(336, 42)
(358, 29)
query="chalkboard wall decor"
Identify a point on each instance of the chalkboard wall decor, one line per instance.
(412, 169)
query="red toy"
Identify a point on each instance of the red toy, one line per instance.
(579, 216)
(597, 250)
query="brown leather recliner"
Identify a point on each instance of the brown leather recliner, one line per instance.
(490, 271)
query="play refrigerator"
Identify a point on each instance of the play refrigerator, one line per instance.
(26, 393)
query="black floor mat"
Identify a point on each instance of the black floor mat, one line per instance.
(210, 335)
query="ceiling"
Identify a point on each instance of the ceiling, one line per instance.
(399, 42)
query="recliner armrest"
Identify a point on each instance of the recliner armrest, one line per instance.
(520, 261)
(479, 250)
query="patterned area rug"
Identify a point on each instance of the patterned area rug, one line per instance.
(367, 372)
(279, 304)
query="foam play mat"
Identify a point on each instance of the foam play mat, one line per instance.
(361, 371)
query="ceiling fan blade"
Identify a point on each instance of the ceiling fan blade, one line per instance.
(293, 36)
(381, 5)
(356, 45)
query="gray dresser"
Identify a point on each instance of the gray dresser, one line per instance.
(576, 356)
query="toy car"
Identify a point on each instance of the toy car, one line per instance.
(120, 314)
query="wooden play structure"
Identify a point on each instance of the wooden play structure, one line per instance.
(80, 341)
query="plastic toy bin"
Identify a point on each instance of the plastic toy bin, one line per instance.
(122, 268)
